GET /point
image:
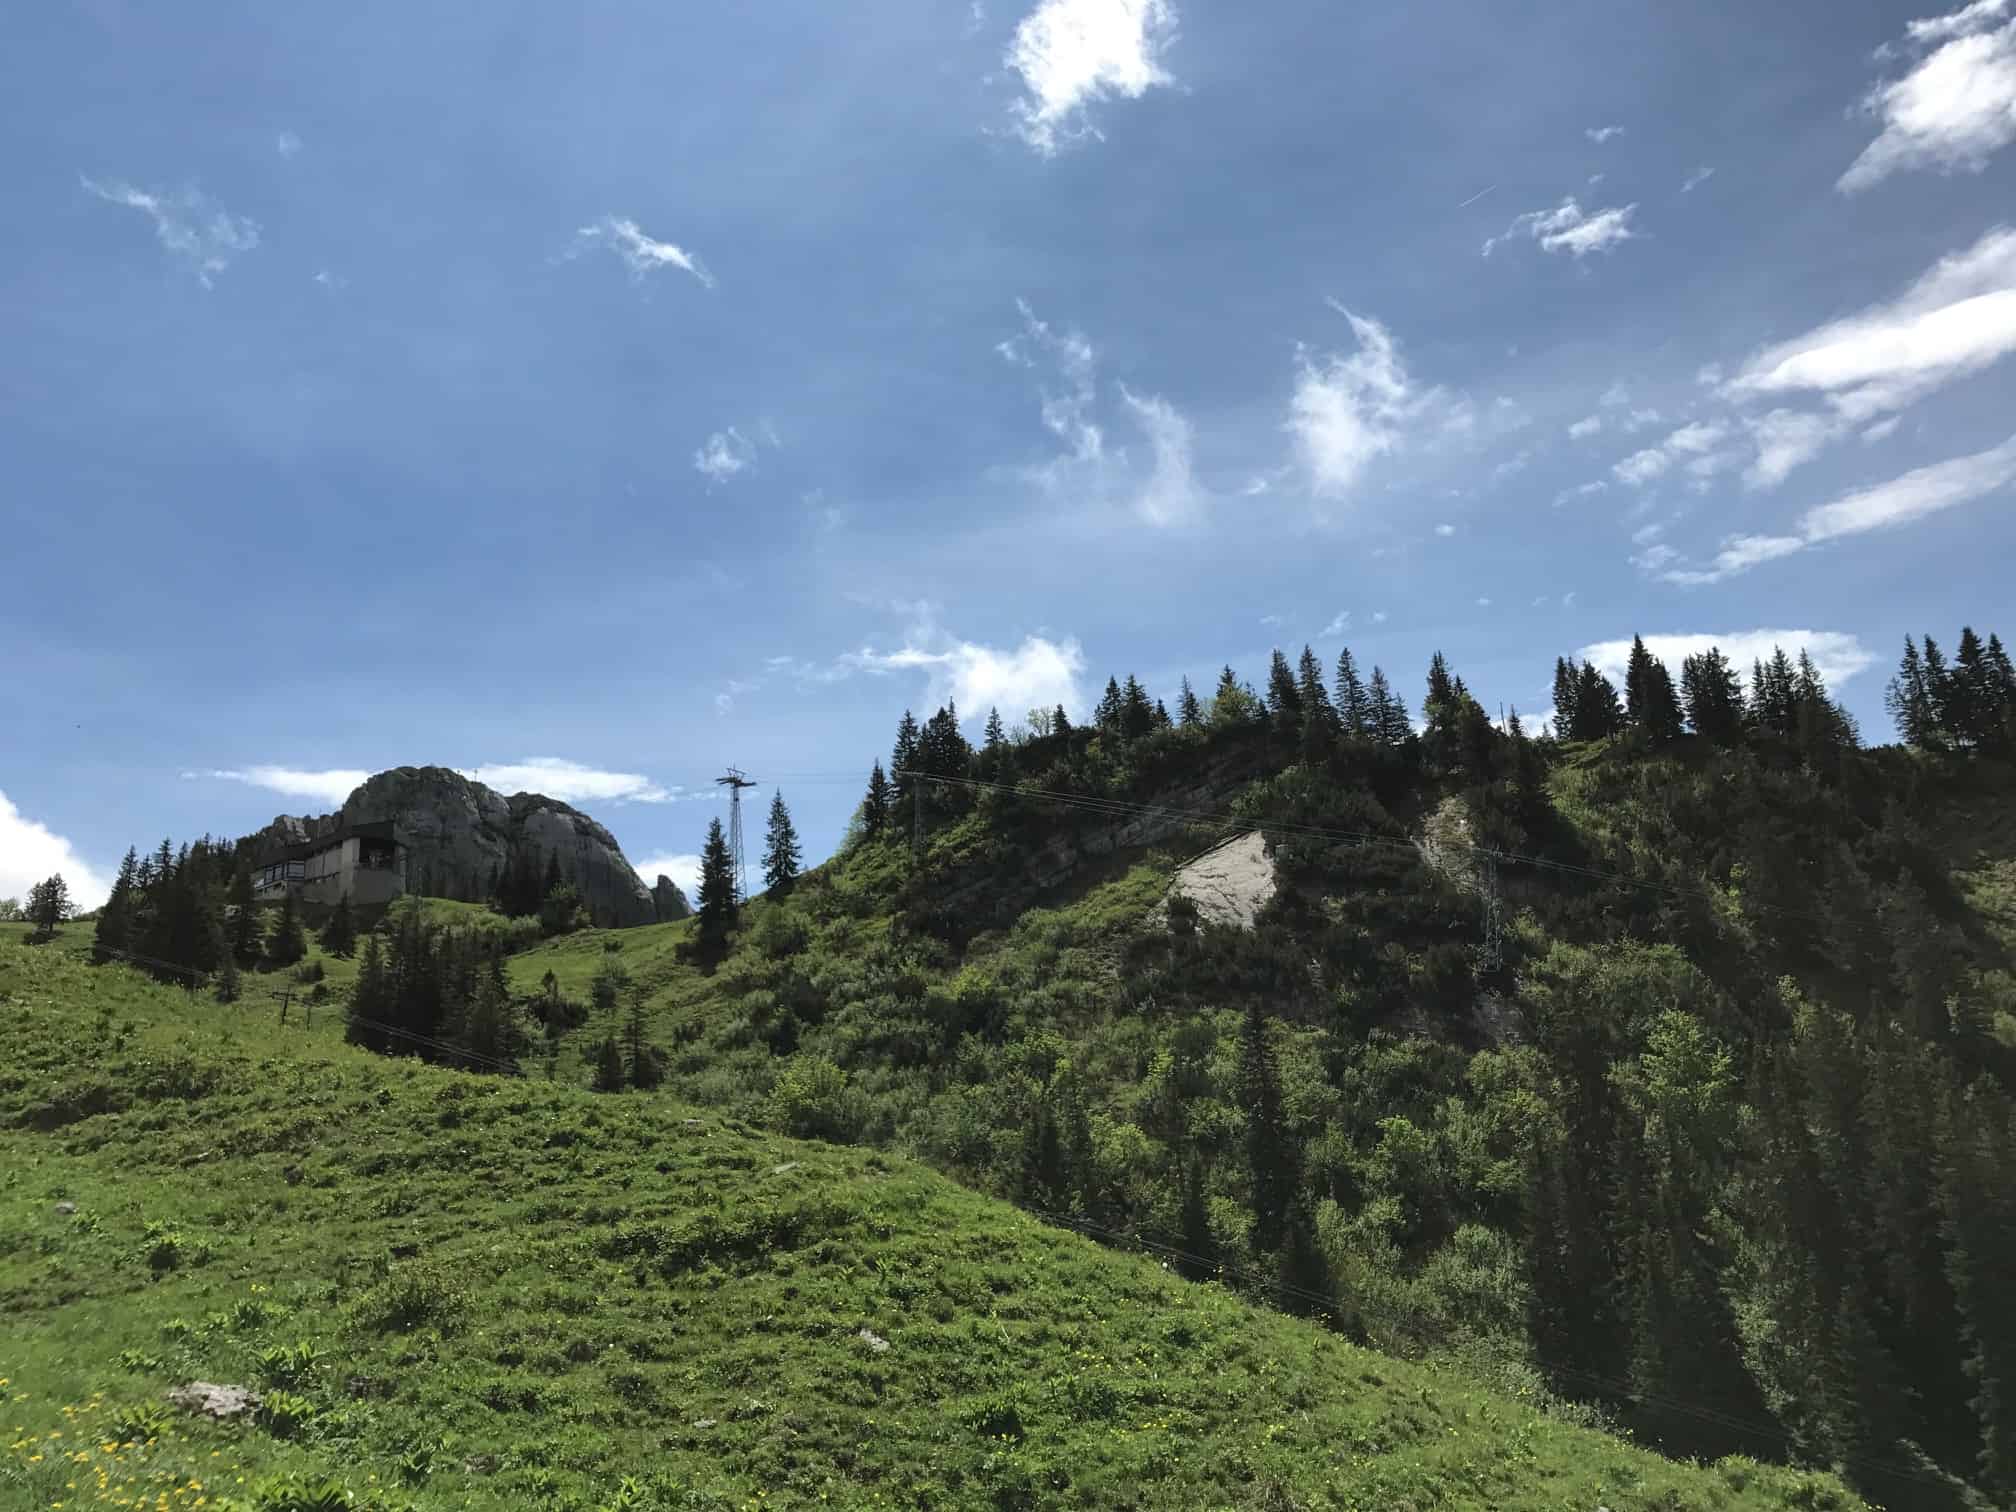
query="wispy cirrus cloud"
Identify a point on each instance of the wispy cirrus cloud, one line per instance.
(1569, 228)
(1696, 444)
(641, 253)
(1170, 495)
(1073, 54)
(1349, 410)
(1956, 105)
(190, 226)
(1601, 134)
(1884, 506)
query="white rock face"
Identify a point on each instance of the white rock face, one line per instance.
(1231, 883)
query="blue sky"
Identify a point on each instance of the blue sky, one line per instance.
(590, 397)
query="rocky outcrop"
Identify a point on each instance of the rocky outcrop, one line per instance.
(458, 834)
(669, 901)
(1230, 883)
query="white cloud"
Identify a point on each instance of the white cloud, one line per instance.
(1170, 496)
(1696, 179)
(286, 144)
(569, 781)
(1071, 54)
(1786, 439)
(1581, 491)
(31, 853)
(1882, 428)
(1588, 425)
(1483, 603)
(1645, 534)
(1638, 419)
(1272, 621)
(1378, 616)
(1837, 656)
(1445, 530)
(1337, 626)
(1923, 491)
(1955, 108)
(1039, 673)
(202, 234)
(1347, 411)
(622, 236)
(1615, 396)
(329, 786)
(1512, 465)
(1601, 134)
(1698, 440)
(1958, 318)
(725, 454)
(1067, 413)
(683, 867)
(1568, 228)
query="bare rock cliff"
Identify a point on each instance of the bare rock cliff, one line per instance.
(457, 833)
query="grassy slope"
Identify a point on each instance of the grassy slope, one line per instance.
(556, 1291)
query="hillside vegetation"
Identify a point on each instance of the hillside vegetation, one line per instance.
(473, 1292)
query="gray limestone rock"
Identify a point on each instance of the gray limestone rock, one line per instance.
(669, 900)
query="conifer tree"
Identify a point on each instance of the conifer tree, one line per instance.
(994, 747)
(1162, 719)
(339, 934)
(1189, 714)
(1231, 705)
(1310, 689)
(1970, 703)
(640, 1059)
(227, 987)
(1270, 1163)
(1598, 711)
(370, 1000)
(1714, 698)
(486, 1028)
(1391, 726)
(1302, 1275)
(1354, 706)
(903, 759)
(1060, 723)
(287, 943)
(113, 936)
(1106, 713)
(1199, 1258)
(49, 904)
(1566, 685)
(875, 807)
(781, 855)
(609, 1072)
(1137, 715)
(1650, 703)
(245, 934)
(1284, 698)
(719, 904)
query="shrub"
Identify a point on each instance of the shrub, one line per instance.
(811, 1100)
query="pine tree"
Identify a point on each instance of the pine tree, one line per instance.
(1650, 704)
(1137, 715)
(1284, 698)
(719, 905)
(49, 904)
(246, 935)
(994, 747)
(1309, 687)
(640, 1057)
(339, 934)
(1231, 705)
(1270, 1163)
(1189, 714)
(1106, 713)
(370, 1000)
(1162, 719)
(1060, 723)
(1970, 711)
(1354, 706)
(113, 936)
(1714, 698)
(781, 855)
(609, 1071)
(875, 807)
(486, 1028)
(1599, 713)
(903, 759)
(1391, 726)
(1302, 1276)
(1566, 685)
(287, 943)
(1199, 1258)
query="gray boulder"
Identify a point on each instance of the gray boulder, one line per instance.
(669, 901)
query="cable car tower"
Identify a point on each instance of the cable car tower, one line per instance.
(735, 782)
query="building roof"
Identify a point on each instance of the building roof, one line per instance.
(301, 850)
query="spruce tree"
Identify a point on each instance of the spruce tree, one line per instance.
(781, 855)
(1270, 1163)
(875, 807)
(1162, 719)
(1199, 1258)
(609, 1071)
(994, 746)
(1137, 715)
(1390, 725)
(113, 936)
(719, 905)
(1309, 687)
(903, 759)
(287, 943)
(1714, 698)
(1566, 685)
(1284, 697)
(1189, 713)
(1598, 711)
(1650, 704)
(1354, 707)
(370, 1000)
(640, 1057)
(246, 933)
(1060, 722)
(339, 934)
(1302, 1275)
(1230, 705)
(1970, 698)
(1106, 713)
(49, 904)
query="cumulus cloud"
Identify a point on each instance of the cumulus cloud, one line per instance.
(1588, 425)
(1170, 496)
(726, 453)
(1956, 105)
(1920, 492)
(188, 225)
(1039, 673)
(683, 867)
(641, 253)
(1569, 228)
(1073, 54)
(569, 781)
(32, 853)
(1837, 655)
(1958, 318)
(1348, 411)
(1698, 441)
(1615, 397)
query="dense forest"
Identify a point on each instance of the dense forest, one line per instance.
(1677, 1070)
